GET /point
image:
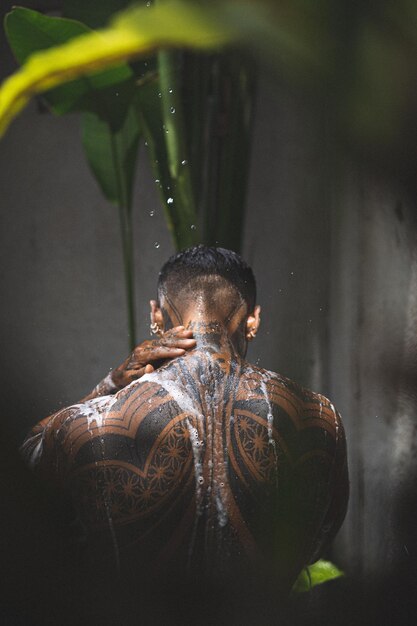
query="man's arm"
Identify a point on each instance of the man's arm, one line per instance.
(339, 497)
(145, 358)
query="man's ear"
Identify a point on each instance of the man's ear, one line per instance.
(252, 322)
(156, 315)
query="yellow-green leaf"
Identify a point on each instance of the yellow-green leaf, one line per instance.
(316, 574)
(133, 33)
(29, 32)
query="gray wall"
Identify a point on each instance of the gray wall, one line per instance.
(335, 256)
(372, 356)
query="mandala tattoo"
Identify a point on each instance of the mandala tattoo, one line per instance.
(206, 459)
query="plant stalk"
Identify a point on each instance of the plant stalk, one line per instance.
(126, 232)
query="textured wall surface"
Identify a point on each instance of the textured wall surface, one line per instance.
(372, 364)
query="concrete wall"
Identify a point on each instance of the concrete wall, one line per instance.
(372, 355)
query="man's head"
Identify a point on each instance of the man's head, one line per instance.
(207, 284)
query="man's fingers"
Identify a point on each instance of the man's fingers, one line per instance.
(154, 353)
(133, 374)
(179, 331)
(164, 352)
(176, 342)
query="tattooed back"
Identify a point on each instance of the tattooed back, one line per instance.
(209, 465)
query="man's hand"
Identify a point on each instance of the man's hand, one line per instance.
(151, 354)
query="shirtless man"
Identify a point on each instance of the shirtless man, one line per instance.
(187, 458)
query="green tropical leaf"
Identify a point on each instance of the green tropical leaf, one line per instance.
(179, 217)
(174, 136)
(135, 32)
(29, 32)
(316, 574)
(112, 154)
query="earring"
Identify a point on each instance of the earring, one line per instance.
(251, 335)
(155, 330)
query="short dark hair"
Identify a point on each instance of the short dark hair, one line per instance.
(188, 267)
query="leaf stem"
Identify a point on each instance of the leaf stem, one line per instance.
(126, 231)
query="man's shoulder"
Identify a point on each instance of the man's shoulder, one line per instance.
(285, 392)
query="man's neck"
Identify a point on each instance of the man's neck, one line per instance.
(212, 334)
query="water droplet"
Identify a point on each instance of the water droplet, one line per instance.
(159, 94)
(200, 480)
(151, 213)
(170, 201)
(148, 4)
(193, 227)
(172, 109)
(117, 93)
(292, 273)
(170, 90)
(157, 180)
(156, 244)
(146, 143)
(184, 162)
(167, 131)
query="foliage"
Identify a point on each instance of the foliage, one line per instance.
(29, 31)
(176, 101)
(360, 57)
(135, 32)
(195, 108)
(316, 574)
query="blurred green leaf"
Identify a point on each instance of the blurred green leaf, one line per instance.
(174, 137)
(134, 32)
(179, 219)
(29, 31)
(316, 574)
(112, 154)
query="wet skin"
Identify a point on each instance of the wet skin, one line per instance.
(207, 464)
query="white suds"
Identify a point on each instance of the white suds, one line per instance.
(269, 417)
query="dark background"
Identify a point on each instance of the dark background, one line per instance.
(333, 247)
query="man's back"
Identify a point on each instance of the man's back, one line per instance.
(206, 465)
